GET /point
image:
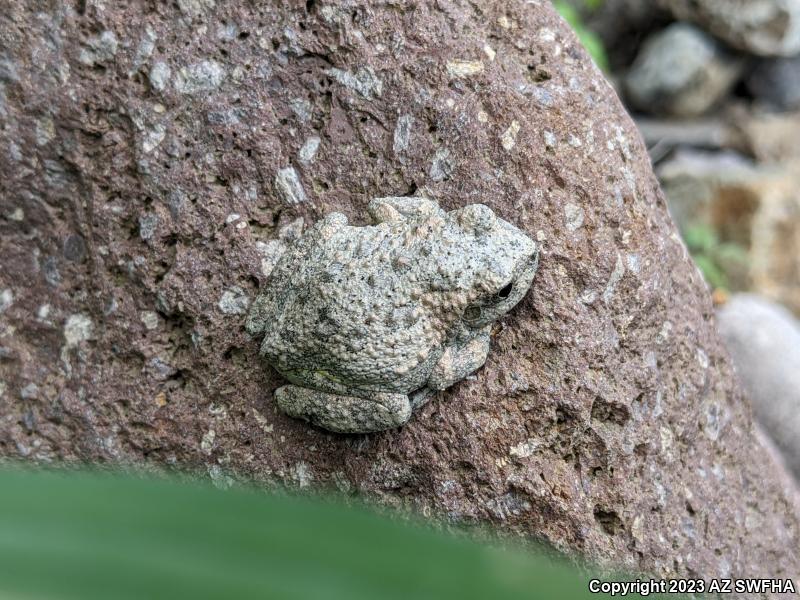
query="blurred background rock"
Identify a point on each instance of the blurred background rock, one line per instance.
(714, 86)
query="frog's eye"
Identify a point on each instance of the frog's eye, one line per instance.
(505, 292)
(472, 314)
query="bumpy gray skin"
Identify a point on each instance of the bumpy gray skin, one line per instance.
(368, 322)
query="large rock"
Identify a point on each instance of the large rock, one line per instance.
(153, 161)
(776, 82)
(755, 208)
(622, 25)
(761, 27)
(772, 137)
(764, 341)
(680, 71)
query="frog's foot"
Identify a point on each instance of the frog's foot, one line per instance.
(344, 414)
(459, 360)
(420, 397)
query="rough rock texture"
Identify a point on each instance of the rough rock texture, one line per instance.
(680, 71)
(764, 341)
(755, 207)
(151, 155)
(762, 27)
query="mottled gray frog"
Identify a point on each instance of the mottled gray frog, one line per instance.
(367, 322)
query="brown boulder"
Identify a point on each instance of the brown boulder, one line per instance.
(151, 157)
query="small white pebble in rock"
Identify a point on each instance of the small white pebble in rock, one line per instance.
(100, 48)
(509, 137)
(402, 133)
(149, 319)
(232, 218)
(6, 299)
(234, 301)
(633, 263)
(153, 137)
(302, 108)
(504, 22)
(302, 475)
(207, 443)
(77, 329)
(614, 279)
(45, 131)
(17, 215)
(464, 68)
(546, 35)
(442, 165)
(159, 76)
(289, 186)
(29, 392)
(550, 139)
(525, 449)
(147, 225)
(574, 216)
(2, 388)
(144, 50)
(702, 358)
(43, 312)
(364, 81)
(308, 151)
(541, 236)
(270, 251)
(204, 76)
(489, 51)
(483, 117)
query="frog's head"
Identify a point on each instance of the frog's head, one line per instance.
(502, 262)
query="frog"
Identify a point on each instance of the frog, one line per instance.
(367, 323)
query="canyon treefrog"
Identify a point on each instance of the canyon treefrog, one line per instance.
(367, 322)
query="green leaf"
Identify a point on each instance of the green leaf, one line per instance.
(700, 238)
(96, 536)
(715, 277)
(593, 44)
(730, 252)
(569, 12)
(593, 4)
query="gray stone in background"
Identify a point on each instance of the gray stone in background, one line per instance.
(776, 82)
(764, 341)
(622, 26)
(680, 71)
(761, 27)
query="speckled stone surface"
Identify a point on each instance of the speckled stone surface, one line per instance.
(153, 156)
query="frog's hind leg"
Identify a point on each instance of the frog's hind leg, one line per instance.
(344, 414)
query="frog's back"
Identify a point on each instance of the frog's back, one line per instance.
(345, 302)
